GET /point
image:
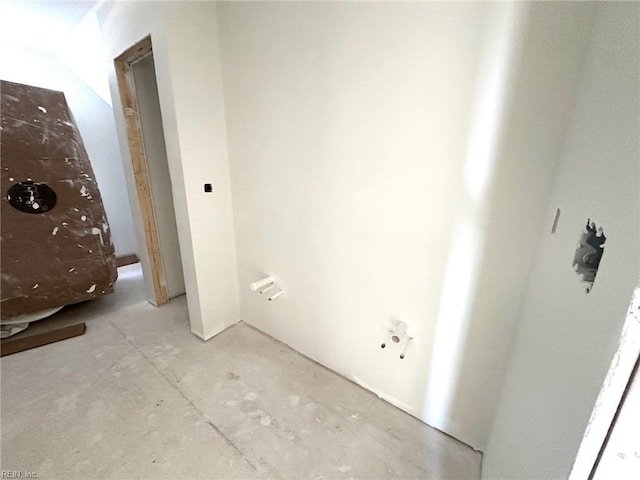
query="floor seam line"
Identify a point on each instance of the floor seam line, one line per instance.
(190, 403)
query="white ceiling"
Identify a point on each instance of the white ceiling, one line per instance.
(41, 25)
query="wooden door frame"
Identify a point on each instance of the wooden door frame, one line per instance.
(129, 102)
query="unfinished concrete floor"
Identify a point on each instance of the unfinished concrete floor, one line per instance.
(139, 396)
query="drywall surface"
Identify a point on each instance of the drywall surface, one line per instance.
(95, 121)
(158, 170)
(393, 162)
(567, 338)
(186, 55)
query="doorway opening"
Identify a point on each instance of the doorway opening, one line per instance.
(135, 71)
(611, 398)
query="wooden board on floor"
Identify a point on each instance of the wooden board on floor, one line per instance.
(123, 260)
(14, 345)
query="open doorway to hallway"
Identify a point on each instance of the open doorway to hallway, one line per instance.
(135, 70)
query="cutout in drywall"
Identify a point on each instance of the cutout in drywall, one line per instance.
(589, 253)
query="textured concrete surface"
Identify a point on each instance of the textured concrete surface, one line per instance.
(139, 396)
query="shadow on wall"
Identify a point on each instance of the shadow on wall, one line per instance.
(506, 191)
(470, 232)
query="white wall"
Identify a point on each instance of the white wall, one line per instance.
(566, 338)
(94, 118)
(186, 55)
(393, 161)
